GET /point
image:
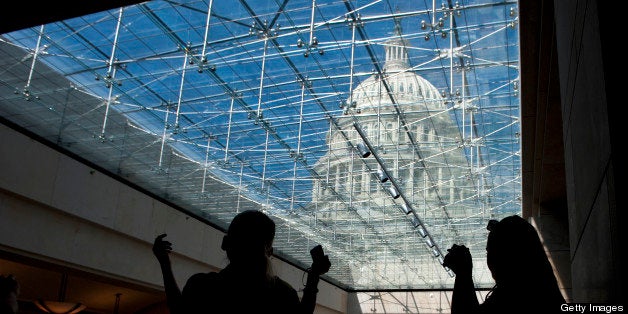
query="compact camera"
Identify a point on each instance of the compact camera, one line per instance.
(317, 253)
(320, 259)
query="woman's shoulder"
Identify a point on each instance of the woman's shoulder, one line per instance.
(204, 276)
(282, 283)
(202, 280)
(283, 286)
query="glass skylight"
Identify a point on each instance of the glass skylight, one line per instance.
(267, 105)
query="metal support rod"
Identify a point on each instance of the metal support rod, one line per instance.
(394, 184)
(206, 164)
(350, 174)
(107, 106)
(312, 23)
(379, 114)
(111, 72)
(240, 187)
(265, 159)
(397, 155)
(163, 137)
(115, 41)
(298, 153)
(331, 141)
(464, 108)
(353, 25)
(301, 117)
(379, 160)
(229, 129)
(433, 13)
(209, 13)
(185, 62)
(451, 55)
(35, 54)
(261, 79)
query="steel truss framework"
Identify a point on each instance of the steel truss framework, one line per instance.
(223, 106)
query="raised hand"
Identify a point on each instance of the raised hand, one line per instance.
(320, 261)
(458, 259)
(161, 248)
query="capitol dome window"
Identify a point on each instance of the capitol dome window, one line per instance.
(373, 185)
(425, 134)
(342, 175)
(403, 177)
(357, 184)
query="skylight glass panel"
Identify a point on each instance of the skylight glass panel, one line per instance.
(263, 104)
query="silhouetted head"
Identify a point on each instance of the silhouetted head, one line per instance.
(514, 252)
(520, 267)
(249, 239)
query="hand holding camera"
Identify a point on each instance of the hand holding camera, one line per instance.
(320, 261)
(459, 260)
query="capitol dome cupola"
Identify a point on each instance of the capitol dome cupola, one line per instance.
(406, 86)
(396, 53)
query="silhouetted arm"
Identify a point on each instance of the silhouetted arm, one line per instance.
(161, 248)
(308, 301)
(463, 299)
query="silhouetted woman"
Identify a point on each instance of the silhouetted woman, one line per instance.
(247, 284)
(524, 280)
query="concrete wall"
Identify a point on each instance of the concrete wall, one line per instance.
(593, 223)
(54, 208)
